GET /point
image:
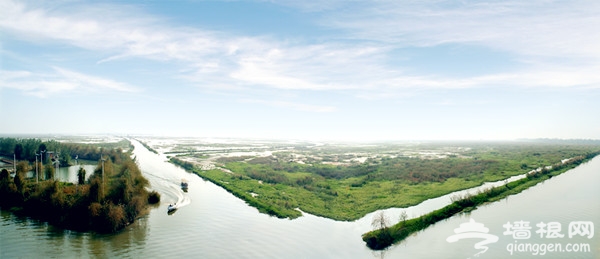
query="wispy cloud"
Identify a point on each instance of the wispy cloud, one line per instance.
(113, 29)
(557, 42)
(338, 60)
(312, 67)
(60, 81)
(545, 28)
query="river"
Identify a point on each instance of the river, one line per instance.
(211, 223)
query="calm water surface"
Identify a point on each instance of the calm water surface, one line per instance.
(211, 223)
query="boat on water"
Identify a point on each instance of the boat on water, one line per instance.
(184, 185)
(172, 208)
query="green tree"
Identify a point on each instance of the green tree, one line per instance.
(381, 223)
(22, 168)
(108, 168)
(19, 151)
(7, 146)
(19, 182)
(81, 176)
(4, 175)
(4, 182)
(65, 159)
(49, 171)
(96, 189)
(122, 191)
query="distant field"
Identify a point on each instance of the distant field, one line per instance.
(345, 182)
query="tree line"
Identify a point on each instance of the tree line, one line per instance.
(113, 197)
(385, 235)
(26, 149)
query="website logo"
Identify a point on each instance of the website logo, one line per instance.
(557, 239)
(473, 230)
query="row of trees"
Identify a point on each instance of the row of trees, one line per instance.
(113, 196)
(385, 235)
(26, 149)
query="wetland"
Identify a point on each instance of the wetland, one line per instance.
(217, 224)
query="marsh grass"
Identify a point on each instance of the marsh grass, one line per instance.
(384, 237)
(278, 186)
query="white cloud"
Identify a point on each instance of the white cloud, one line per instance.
(554, 42)
(545, 28)
(559, 37)
(61, 81)
(551, 44)
(113, 29)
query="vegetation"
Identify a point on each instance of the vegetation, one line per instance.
(279, 185)
(26, 149)
(385, 236)
(153, 197)
(186, 165)
(113, 196)
(148, 147)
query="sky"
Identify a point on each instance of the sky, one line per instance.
(291, 69)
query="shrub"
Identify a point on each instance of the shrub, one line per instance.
(153, 197)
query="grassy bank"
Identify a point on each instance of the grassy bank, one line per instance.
(334, 199)
(244, 191)
(386, 236)
(279, 186)
(147, 146)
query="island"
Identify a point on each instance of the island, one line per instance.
(386, 235)
(347, 181)
(112, 197)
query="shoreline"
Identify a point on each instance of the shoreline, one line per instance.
(103, 200)
(388, 235)
(292, 213)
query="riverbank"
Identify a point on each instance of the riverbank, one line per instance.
(113, 196)
(147, 146)
(217, 224)
(282, 183)
(387, 235)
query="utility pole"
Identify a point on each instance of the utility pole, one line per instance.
(57, 164)
(102, 175)
(42, 156)
(42, 160)
(37, 176)
(15, 162)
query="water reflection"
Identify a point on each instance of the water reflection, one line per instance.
(572, 196)
(215, 224)
(67, 174)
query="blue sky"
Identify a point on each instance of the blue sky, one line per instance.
(326, 70)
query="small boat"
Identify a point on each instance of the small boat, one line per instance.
(172, 208)
(184, 184)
